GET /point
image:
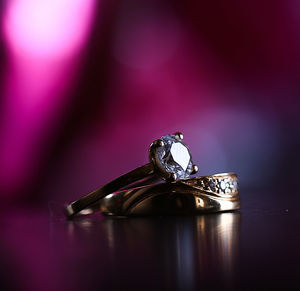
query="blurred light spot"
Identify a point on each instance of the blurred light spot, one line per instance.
(42, 38)
(47, 27)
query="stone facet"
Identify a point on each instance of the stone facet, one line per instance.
(174, 157)
(212, 185)
(223, 185)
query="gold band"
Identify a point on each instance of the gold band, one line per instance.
(141, 173)
(189, 196)
(170, 160)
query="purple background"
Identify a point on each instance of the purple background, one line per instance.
(87, 85)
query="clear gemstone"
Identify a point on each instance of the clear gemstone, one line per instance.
(236, 184)
(222, 185)
(212, 185)
(174, 157)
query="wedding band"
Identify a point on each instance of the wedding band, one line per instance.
(204, 194)
(170, 159)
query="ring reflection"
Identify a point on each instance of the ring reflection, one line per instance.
(183, 252)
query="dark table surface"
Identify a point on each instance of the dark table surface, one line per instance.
(252, 248)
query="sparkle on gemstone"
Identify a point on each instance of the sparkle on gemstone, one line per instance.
(180, 155)
(222, 185)
(174, 157)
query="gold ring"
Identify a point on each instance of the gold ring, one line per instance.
(203, 194)
(170, 159)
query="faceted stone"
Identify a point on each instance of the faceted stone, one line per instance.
(235, 184)
(174, 157)
(212, 185)
(223, 185)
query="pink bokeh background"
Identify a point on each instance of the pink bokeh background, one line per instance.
(86, 86)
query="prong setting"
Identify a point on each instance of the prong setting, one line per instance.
(195, 169)
(171, 158)
(179, 135)
(159, 143)
(172, 177)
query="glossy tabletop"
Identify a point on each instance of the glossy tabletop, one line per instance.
(252, 248)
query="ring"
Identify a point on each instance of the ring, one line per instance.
(214, 193)
(205, 194)
(170, 159)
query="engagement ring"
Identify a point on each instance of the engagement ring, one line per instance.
(170, 160)
(204, 194)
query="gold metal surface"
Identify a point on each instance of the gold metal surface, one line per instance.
(87, 201)
(189, 196)
(140, 176)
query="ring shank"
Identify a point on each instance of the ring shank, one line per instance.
(143, 172)
(177, 198)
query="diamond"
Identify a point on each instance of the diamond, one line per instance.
(174, 157)
(212, 185)
(223, 185)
